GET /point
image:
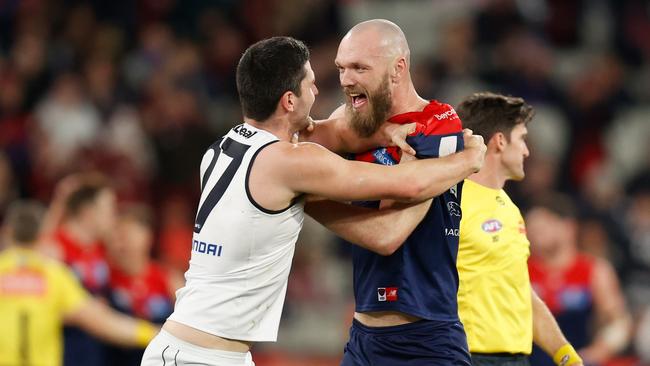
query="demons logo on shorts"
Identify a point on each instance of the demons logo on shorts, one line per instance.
(387, 294)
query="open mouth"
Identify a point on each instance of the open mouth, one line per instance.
(358, 100)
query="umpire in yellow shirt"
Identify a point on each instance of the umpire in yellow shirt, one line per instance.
(501, 314)
(39, 294)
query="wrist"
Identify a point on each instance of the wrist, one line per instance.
(566, 356)
(144, 333)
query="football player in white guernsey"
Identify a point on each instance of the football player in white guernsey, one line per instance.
(253, 182)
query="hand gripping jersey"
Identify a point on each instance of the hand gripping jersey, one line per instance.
(241, 252)
(420, 278)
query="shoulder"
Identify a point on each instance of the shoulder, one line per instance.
(338, 112)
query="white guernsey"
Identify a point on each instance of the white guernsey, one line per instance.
(241, 252)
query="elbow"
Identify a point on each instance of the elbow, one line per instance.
(413, 190)
(389, 245)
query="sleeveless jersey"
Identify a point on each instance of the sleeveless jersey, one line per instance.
(241, 252)
(569, 297)
(420, 278)
(88, 262)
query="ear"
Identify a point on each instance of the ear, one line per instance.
(499, 141)
(399, 69)
(288, 101)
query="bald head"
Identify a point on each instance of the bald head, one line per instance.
(381, 36)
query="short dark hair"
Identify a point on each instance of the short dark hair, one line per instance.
(487, 113)
(268, 69)
(25, 218)
(84, 195)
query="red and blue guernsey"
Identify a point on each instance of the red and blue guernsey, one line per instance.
(420, 278)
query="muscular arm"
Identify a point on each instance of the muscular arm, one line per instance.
(310, 168)
(614, 322)
(105, 323)
(382, 231)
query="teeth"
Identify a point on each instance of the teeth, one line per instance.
(355, 95)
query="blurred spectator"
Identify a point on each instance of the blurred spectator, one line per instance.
(7, 186)
(581, 291)
(15, 123)
(138, 286)
(68, 123)
(38, 294)
(637, 224)
(175, 233)
(89, 219)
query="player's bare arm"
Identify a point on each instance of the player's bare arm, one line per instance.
(614, 324)
(105, 323)
(546, 332)
(381, 231)
(284, 170)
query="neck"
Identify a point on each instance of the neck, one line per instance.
(278, 126)
(490, 175)
(79, 233)
(406, 99)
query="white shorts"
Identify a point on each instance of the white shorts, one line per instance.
(167, 350)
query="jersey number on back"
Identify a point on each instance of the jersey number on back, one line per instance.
(236, 151)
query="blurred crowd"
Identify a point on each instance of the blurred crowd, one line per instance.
(137, 90)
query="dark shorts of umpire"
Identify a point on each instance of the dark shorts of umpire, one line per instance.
(500, 359)
(422, 343)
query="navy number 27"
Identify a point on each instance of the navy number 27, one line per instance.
(236, 151)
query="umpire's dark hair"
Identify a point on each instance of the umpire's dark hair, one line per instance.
(487, 113)
(24, 218)
(268, 69)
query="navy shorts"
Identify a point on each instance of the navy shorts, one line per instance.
(425, 342)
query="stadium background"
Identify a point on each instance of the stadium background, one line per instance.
(138, 90)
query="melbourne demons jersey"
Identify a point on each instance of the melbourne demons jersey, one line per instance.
(420, 278)
(569, 297)
(241, 252)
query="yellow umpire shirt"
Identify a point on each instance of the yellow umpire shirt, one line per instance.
(35, 293)
(494, 298)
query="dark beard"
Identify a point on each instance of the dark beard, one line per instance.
(366, 124)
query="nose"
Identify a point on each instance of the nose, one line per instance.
(315, 90)
(526, 151)
(345, 78)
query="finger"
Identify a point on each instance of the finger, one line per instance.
(410, 127)
(405, 147)
(407, 157)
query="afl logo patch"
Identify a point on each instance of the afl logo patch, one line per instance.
(491, 226)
